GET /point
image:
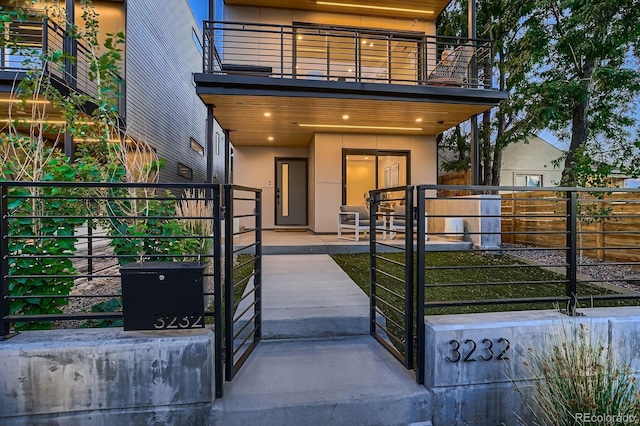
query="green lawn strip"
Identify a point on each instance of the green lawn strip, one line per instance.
(504, 269)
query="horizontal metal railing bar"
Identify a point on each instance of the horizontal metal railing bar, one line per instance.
(389, 347)
(241, 345)
(610, 296)
(64, 317)
(244, 280)
(243, 248)
(388, 290)
(241, 188)
(246, 231)
(243, 199)
(463, 267)
(79, 184)
(388, 275)
(239, 216)
(244, 311)
(244, 296)
(243, 264)
(493, 283)
(247, 323)
(394, 262)
(388, 334)
(399, 248)
(211, 24)
(450, 303)
(483, 190)
(388, 305)
(390, 320)
(68, 296)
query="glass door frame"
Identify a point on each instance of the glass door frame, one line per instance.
(376, 153)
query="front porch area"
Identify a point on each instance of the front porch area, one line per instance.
(307, 242)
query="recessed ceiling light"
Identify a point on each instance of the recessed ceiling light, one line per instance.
(366, 158)
(345, 117)
(270, 138)
(299, 37)
(267, 114)
(344, 126)
(418, 120)
(350, 70)
(366, 6)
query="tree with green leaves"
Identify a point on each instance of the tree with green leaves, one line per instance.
(585, 86)
(513, 57)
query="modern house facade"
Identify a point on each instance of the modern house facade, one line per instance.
(324, 101)
(158, 105)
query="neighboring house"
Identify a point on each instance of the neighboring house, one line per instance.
(159, 103)
(324, 101)
(530, 163)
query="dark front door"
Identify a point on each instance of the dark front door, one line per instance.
(291, 191)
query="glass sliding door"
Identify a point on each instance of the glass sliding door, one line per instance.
(364, 170)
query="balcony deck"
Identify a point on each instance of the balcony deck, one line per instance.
(310, 78)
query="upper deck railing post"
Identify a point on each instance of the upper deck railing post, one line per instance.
(4, 260)
(572, 251)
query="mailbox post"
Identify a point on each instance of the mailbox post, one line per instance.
(162, 295)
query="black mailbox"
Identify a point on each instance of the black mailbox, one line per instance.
(162, 295)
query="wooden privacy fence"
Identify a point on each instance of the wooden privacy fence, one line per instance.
(607, 225)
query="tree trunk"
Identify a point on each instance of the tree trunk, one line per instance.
(579, 126)
(579, 133)
(497, 152)
(486, 148)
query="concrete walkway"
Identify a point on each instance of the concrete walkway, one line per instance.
(310, 296)
(318, 365)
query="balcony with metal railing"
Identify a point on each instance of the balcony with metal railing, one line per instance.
(309, 52)
(25, 41)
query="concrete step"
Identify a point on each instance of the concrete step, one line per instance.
(332, 381)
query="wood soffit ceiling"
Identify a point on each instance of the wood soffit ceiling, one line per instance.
(413, 7)
(245, 117)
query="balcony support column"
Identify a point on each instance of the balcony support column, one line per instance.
(473, 79)
(70, 46)
(210, 148)
(227, 157)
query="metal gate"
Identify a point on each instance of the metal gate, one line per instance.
(242, 275)
(392, 288)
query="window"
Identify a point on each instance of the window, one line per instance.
(185, 171)
(197, 147)
(528, 180)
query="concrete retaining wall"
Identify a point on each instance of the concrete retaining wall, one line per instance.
(473, 361)
(107, 376)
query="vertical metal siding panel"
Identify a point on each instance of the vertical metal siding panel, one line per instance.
(162, 105)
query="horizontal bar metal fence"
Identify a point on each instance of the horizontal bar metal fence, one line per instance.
(391, 286)
(243, 278)
(346, 54)
(528, 247)
(50, 277)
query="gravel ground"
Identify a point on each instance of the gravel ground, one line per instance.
(600, 272)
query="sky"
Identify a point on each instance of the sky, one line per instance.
(200, 10)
